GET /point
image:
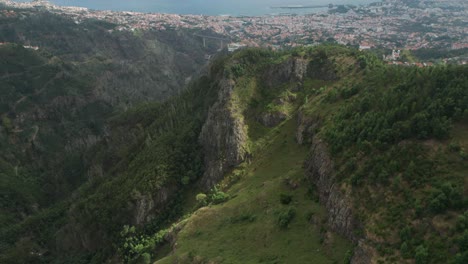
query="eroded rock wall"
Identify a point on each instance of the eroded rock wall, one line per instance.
(223, 136)
(319, 168)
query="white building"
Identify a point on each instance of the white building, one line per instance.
(235, 46)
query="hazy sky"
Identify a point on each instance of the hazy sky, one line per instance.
(209, 7)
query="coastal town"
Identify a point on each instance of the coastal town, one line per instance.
(390, 24)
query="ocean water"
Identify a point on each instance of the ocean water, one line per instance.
(205, 7)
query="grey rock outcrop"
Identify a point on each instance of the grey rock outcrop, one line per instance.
(319, 168)
(306, 127)
(364, 253)
(146, 207)
(292, 70)
(223, 136)
(338, 202)
(272, 119)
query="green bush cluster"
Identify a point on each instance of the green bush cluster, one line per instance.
(285, 217)
(202, 199)
(137, 248)
(285, 198)
(217, 196)
(348, 257)
(447, 197)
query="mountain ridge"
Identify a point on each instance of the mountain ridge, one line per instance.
(251, 146)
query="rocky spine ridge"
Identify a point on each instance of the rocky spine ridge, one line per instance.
(319, 168)
(223, 136)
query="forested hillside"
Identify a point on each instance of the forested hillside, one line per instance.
(313, 155)
(55, 100)
(386, 160)
(55, 105)
(159, 63)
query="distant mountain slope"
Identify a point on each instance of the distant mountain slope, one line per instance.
(55, 103)
(55, 100)
(128, 67)
(49, 117)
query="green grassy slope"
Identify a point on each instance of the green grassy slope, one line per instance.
(245, 229)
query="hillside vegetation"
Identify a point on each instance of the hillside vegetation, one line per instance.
(396, 138)
(127, 68)
(272, 215)
(317, 155)
(55, 101)
(55, 106)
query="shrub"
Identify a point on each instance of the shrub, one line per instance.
(404, 250)
(438, 204)
(462, 222)
(348, 256)
(6, 123)
(332, 96)
(405, 233)
(463, 155)
(244, 218)
(285, 217)
(421, 255)
(454, 147)
(309, 215)
(461, 258)
(202, 199)
(312, 194)
(218, 197)
(463, 241)
(238, 70)
(285, 198)
(146, 258)
(185, 180)
(348, 92)
(445, 197)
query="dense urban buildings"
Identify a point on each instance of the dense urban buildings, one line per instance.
(393, 24)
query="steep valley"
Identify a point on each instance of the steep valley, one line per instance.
(122, 150)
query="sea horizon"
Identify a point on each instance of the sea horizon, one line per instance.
(207, 7)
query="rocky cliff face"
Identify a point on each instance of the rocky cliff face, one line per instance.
(223, 136)
(292, 70)
(147, 207)
(272, 119)
(319, 168)
(306, 127)
(338, 202)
